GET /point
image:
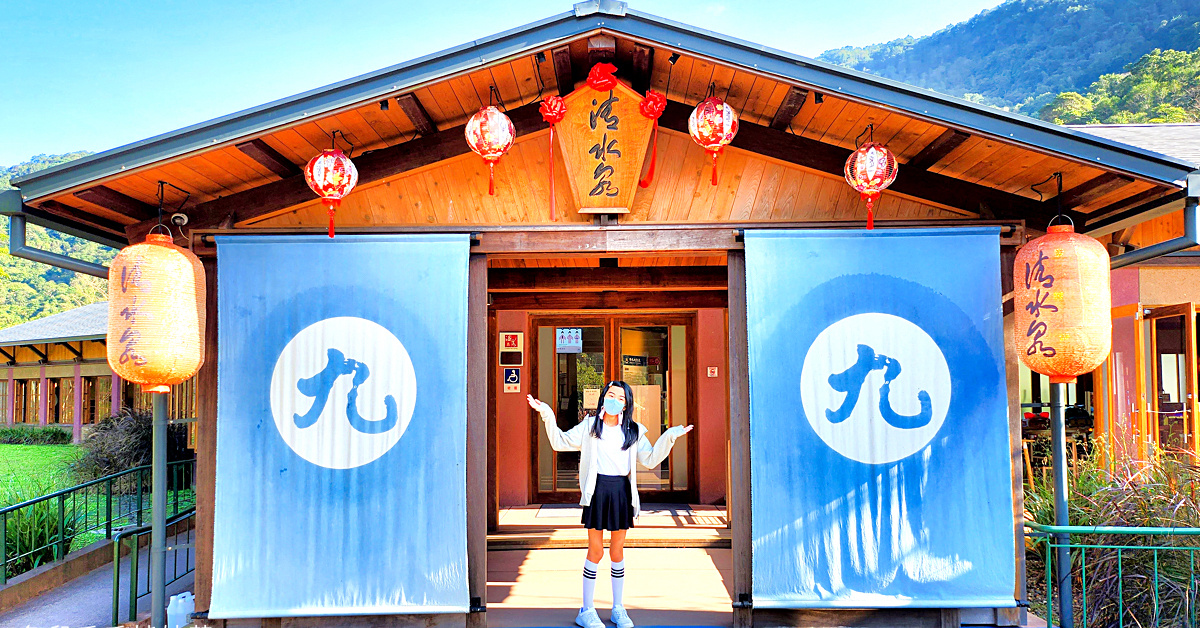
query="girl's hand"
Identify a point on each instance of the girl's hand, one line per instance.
(538, 405)
(680, 430)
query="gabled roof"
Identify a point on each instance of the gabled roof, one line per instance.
(1181, 140)
(613, 17)
(89, 322)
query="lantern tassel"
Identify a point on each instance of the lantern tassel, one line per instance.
(551, 164)
(332, 205)
(714, 168)
(491, 178)
(870, 219)
(870, 198)
(645, 183)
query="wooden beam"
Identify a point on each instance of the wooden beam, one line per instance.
(601, 48)
(830, 159)
(78, 353)
(42, 357)
(373, 166)
(78, 215)
(412, 107)
(670, 300)
(269, 158)
(941, 146)
(739, 443)
(601, 279)
(12, 359)
(563, 73)
(789, 108)
(1091, 190)
(476, 471)
(642, 67)
(109, 198)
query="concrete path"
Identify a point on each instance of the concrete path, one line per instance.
(87, 601)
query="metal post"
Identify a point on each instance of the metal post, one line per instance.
(1062, 558)
(3, 548)
(158, 515)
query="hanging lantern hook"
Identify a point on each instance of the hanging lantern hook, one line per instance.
(333, 140)
(869, 129)
(493, 92)
(712, 91)
(162, 185)
(1057, 177)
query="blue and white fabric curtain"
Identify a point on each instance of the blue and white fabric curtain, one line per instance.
(880, 466)
(341, 426)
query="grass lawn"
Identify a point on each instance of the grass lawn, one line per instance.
(42, 466)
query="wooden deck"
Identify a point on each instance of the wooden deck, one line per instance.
(660, 525)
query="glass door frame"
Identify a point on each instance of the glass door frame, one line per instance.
(612, 324)
(1188, 312)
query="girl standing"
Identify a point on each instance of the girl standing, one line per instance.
(610, 447)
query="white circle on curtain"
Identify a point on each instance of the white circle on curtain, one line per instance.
(875, 387)
(342, 392)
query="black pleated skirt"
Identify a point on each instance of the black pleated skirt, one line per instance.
(612, 504)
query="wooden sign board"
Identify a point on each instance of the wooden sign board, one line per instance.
(603, 139)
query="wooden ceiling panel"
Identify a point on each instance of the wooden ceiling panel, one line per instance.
(96, 210)
(1122, 193)
(968, 154)
(679, 78)
(826, 113)
(292, 145)
(248, 165)
(201, 187)
(845, 125)
(698, 81)
(921, 141)
(740, 83)
(441, 96)
(381, 122)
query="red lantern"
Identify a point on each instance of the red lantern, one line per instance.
(870, 169)
(713, 125)
(553, 110)
(652, 106)
(1062, 298)
(490, 134)
(332, 176)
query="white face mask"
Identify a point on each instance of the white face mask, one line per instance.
(613, 406)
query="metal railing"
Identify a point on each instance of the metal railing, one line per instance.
(180, 544)
(1126, 579)
(45, 529)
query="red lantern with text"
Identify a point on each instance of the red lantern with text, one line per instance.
(870, 169)
(713, 124)
(156, 309)
(1062, 304)
(490, 134)
(332, 176)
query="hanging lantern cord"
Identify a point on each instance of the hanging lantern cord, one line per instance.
(333, 138)
(492, 91)
(712, 91)
(870, 129)
(162, 185)
(1057, 177)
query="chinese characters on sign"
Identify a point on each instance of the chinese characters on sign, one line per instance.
(1035, 274)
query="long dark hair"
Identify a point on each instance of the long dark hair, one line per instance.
(627, 425)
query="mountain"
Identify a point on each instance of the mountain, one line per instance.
(30, 290)
(1023, 53)
(1163, 86)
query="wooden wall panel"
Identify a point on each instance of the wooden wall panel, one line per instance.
(750, 187)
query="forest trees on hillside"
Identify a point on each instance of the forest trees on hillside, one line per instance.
(1163, 86)
(30, 290)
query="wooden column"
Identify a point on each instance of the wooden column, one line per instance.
(43, 407)
(493, 429)
(477, 389)
(11, 403)
(206, 442)
(115, 396)
(77, 405)
(739, 443)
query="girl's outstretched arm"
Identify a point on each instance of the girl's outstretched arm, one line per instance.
(652, 455)
(571, 440)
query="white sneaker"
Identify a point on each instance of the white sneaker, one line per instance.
(620, 617)
(588, 618)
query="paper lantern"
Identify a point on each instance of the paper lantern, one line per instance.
(490, 134)
(332, 176)
(870, 169)
(156, 314)
(712, 125)
(1062, 304)
(553, 110)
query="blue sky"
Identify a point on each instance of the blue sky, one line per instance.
(96, 75)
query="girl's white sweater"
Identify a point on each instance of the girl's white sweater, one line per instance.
(580, 439)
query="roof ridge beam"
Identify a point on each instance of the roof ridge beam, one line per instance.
(789, 108)
(416, 113)
(269, 158)
(936, 150)
(109, 198)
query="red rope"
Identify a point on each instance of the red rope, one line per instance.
(645, 183)
(491, 178)
(551, 163)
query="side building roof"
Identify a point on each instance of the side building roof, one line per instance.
(89, 322)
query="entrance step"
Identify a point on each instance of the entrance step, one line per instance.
(576, 538)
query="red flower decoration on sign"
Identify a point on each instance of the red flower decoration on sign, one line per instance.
(331, 175)
(601, 78)
(553, 110)
(652, 106)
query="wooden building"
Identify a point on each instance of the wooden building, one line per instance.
(55, 372)
(663, 283)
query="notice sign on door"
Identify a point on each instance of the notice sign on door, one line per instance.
(512, 380)
(568, 340)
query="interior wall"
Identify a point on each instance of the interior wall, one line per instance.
(512, 420)
(712, 397)
(1123, 283)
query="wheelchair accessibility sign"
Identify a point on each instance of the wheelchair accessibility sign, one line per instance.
(512, 380)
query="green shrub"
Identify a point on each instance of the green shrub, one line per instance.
(31, 533)
(125, 441)
(35, 436)
(1161, 493)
